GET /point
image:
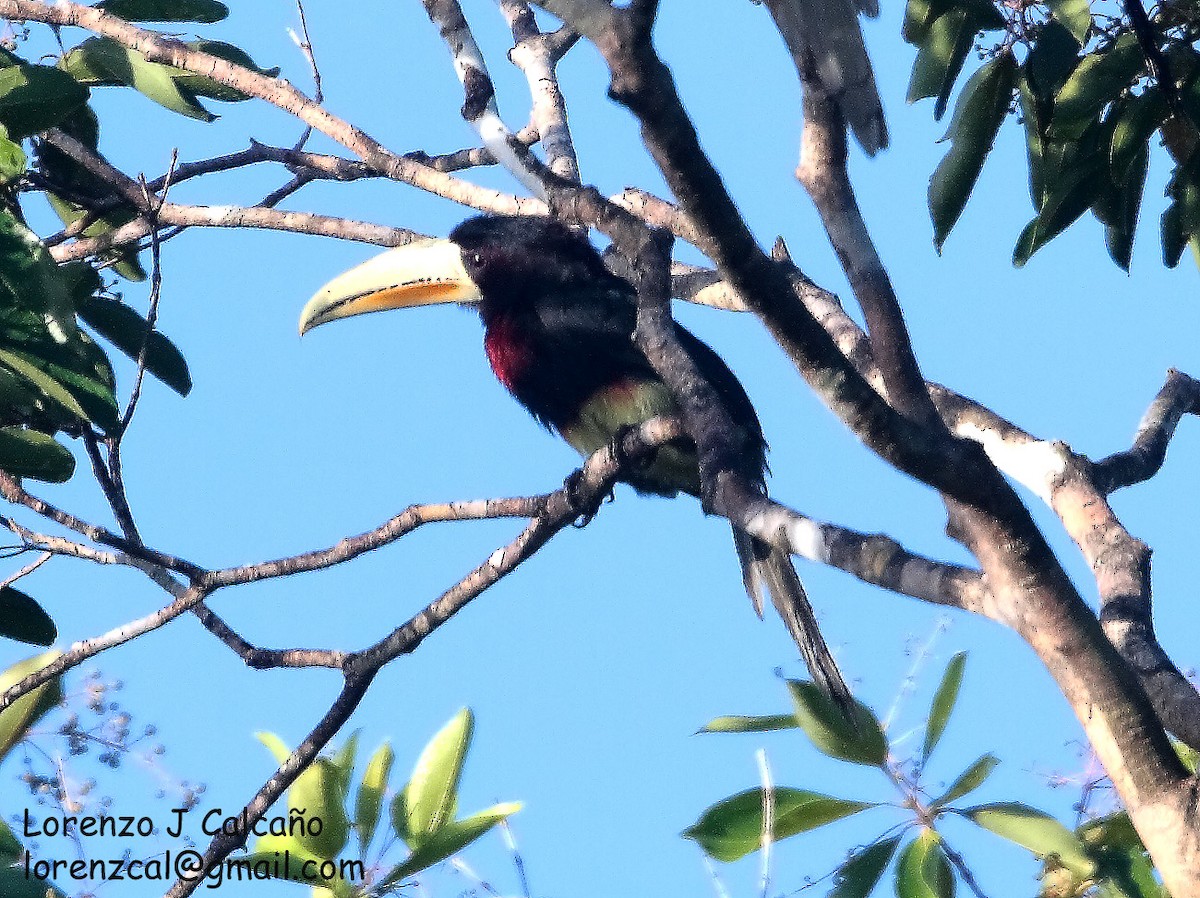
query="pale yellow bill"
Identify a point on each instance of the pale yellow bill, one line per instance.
(422, 273)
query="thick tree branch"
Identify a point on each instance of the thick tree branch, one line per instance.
(1179, 396)
(537, 55)
(1030, 588)
(224, 844)
(479, 107)
(822, 171)
(1120, 563)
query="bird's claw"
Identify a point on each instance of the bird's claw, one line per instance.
(584, 506)
(617, 448)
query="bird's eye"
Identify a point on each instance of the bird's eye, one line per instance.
(476, 258)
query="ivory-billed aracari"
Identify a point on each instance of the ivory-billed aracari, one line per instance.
(558, 331)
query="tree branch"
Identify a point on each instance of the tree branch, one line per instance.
(479, 107)
(537, 56)
(1031, 590)
(276, 91)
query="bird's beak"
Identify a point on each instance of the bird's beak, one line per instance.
(422, 273)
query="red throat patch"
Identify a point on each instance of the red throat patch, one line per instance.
(507, 350)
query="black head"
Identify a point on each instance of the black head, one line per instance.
(510, 257)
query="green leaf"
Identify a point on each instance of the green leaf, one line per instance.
(21, 364)
(1118, 209)
(283, 855)
(1187, 755)
(28, 274)
(157, 82)
(449, 840)
(276, 746)
(824, 723)
(1174, 237)
(204, 11)
(969, 780)
(34, 98)
(371, 792)
(1181, 220)
(12, 159)
(1097, 81)
(1051, 59)
(919, 15)
(978, 115)
(1114, 831)
(129, 331)
(432, 791)
(23, 619)
(344, 761)
(940, 59)
(1075, 15)
(1035, 140)
(1123, 869)
(1031, 829)
(30, 453)
(760, 724)
(923, 870)
(124, 257)
(92, 390)
(944, 699)
(10, 848)
(1138, 120)
(862, 871)
(1077, 189)
(202, 86)
(100, 61)
(14, 884)
(17, 718)
(317, 793)
(732, 828)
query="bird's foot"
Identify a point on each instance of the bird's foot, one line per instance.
(621, 455)
(584, 506)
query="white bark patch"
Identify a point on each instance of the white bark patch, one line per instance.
(497, 137)
(1035, 464)
(807, 537)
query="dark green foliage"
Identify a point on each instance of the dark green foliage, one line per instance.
(36, 97)
(205, 11)
(201, 86)
(1103, 854)
(1091, 111)
(863, 869)
(54, 379)
(733, 828)
(980, 110)
(423, 813)
(23, 619)
(130, 332)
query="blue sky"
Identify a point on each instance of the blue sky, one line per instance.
(590, 668)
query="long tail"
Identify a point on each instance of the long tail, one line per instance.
(764, 565)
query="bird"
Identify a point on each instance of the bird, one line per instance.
(826, 43)
(558, 334)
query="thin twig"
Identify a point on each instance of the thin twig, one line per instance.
(26, 571)
(306, 47)
(767, 838)
(153, 205)
(510, 842)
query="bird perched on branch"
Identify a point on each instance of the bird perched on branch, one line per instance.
(558, 331)
(826, 43)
